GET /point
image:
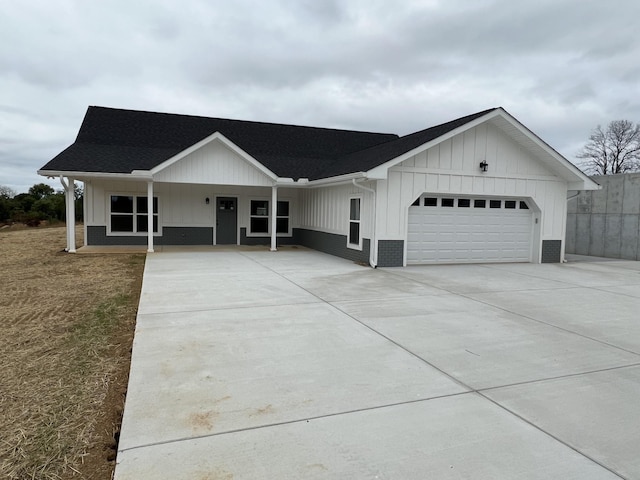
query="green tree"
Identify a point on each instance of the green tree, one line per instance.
(41, 190)
(41, 203)
(6, 207)
(49, 208)
(6, 202)
(24, 202)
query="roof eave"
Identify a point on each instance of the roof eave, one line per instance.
(581, 185)
(337, 180)
(134, 175)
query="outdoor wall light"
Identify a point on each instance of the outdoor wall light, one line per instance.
(484, 165)
(206, 200)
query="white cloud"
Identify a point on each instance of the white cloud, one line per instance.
(560, 67)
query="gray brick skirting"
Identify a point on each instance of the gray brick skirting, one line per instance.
(97, 235)
(244, 240)
(332, 243)
(390, 253)
(551, 251)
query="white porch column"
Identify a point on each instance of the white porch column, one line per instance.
(274, 217)
(71, 222)
(70, 212)
(150, 217)
(84, 213)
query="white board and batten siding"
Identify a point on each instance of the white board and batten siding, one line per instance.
(182, 205)
(452, 167)
(179, 205)
(327, 209)
(213, 164)
(182, 188)
(185, 204)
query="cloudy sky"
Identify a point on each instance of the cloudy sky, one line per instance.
(560, 66)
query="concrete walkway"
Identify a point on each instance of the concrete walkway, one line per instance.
(296, 365)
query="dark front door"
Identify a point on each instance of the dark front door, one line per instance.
(227, 221)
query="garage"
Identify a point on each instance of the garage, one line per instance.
(450, 229)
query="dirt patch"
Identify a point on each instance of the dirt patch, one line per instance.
(202, 421)
(67, 328)
(266, 410)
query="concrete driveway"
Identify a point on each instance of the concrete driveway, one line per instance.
(296, 364)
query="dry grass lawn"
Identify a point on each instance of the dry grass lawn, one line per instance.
(67, 325)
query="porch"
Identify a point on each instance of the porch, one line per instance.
(120, 249)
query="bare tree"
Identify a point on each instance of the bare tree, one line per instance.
(614, 150)
(7, 192)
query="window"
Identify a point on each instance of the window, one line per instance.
(464, 203)
(479, 203)
(282, 217)
(259, 217)
(259, 222)
(447, 202)
(430, 202)
(416, 203)
(495, 203)
(129, 214)
(354, 239)
(510, 204)
(524, 206)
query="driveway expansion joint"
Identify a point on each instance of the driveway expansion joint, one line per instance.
(457, 381)
(298, 420)
(555, 437)
(468, 296)
(238, 307)
(558, 377)
(537, 320)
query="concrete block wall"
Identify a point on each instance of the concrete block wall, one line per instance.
(606, 223)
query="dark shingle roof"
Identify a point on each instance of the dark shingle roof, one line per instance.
(367, 159)
(120, 141)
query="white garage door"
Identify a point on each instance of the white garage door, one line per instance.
(469, 230)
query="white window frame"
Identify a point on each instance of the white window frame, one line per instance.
(519, 201)
(251, 233)
(134, 214)
(350, 221)
(268, 216)
(288, 217)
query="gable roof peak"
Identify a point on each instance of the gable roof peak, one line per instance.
(376, 155)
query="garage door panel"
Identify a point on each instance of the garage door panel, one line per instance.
(468, 235)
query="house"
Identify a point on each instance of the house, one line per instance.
(481, 188)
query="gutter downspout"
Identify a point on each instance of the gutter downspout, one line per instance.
(574, 196)
(373, 251)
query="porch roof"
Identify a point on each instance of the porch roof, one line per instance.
(121, 141)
